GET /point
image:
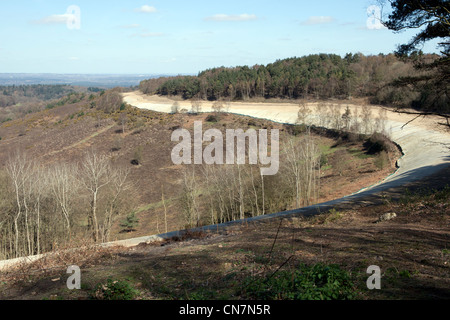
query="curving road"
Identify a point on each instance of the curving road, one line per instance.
(425, 145)
(424, 142)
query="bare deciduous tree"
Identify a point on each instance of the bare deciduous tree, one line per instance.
(95, 174)
(366, 116)
(115, 202)
(19, 169)
(38, 205)
(303, 114)
(196, 106)
(123, 119)
(64, 187)
(175, 108)
(347, 119)
(189, 198)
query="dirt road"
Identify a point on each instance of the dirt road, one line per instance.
(425, 143)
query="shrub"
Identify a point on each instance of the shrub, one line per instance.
(378, 142)
(130, 223)
(109, 102)
(351, 137)
(317, 282)
(323, 161)
(212, 118)
(114, 290)
(339, 162)
(296, 130)
(382, 160)
(118, 142)
(137, 156)
(252, 123)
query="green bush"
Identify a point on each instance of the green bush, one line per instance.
(317, 282)
(114, 290)
(130, 223)
(323, 160)
(296, 130)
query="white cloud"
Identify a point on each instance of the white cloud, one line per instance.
(317, 20)
(146, 9)
(74, 58)
(227, 17)
(56, 19)
(72, 18)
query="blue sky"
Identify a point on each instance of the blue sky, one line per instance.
(181, 37)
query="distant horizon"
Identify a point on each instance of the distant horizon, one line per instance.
(167, 74)
(110, 80)
(74, 79)
(90, 74)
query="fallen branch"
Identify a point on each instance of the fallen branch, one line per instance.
(424, 114)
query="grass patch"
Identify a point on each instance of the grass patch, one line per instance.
(114, 290)
(317, 282)
(359, 154)
(326, 149)
(157, 205)
(328, 217)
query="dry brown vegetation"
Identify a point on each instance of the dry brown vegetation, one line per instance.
(137, 144)
(64, 135)
(411, 250)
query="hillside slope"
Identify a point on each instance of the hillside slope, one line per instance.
(65, 134)
(411, 250)
(241, 248)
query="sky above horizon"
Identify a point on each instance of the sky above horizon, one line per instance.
(182, 37)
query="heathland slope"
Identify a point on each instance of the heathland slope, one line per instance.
(139, 142)
(424, 142)
(344, 235)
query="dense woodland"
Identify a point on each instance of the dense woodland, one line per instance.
(12, 95)
(17, 101)
(319, 76)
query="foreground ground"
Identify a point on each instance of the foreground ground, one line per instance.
(411, 250)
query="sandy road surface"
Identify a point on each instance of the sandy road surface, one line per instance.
(425, 143)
